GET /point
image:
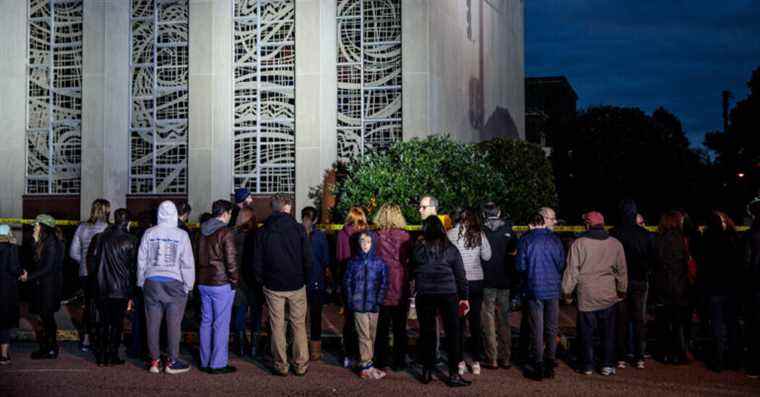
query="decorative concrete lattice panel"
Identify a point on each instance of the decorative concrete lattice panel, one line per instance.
(369, 76)
(54, 97)
(264, 95)
(159, 67)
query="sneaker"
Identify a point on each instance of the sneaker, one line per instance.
(640, 364)
(462, 368)
(174, 367)
(587, 372)
(475, 368)
(377, 374)
(622, 364)
(155, 367)
(348, 362)
(5, 360)
(753, 375)
(608, 371)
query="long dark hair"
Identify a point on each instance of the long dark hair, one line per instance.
(46, 232)
(470, 229)
(433, 234)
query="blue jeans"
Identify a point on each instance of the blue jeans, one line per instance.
(216, 310)
(603, 322)
(543, 322)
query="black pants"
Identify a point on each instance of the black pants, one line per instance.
(671, 325)
(350, 337)
(427, 308)
(89, 325)
(753, 315)
(631, 322)
(50, 328)
(111, 324)
(603, 323)
(314, 300)
(724, 311)
(391, 318)
(475, 289)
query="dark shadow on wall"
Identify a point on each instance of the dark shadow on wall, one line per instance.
(500, 124)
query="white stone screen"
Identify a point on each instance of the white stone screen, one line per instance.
(369, 76)
(159, 70)
(54, 102)
(264, 95)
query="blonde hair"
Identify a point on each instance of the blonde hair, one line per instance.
(100, 211)
(356, 217)
(389, 216)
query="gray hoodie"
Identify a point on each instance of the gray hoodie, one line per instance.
(165, 250)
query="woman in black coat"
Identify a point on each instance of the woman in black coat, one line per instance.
(671, 288)
(47, 279)
(10, 271)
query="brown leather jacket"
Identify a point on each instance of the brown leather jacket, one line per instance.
(217, 263)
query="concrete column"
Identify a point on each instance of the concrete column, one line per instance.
(210, 129)
(13, 60)
(105, 103)
(316, 94)
(415, 56)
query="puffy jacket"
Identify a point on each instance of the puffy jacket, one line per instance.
(80, 244)
(113, 255)
(166, 251)
(47, 278)
(498, 271)
(472, 258)
(10, 270)
(366, 281)
(638, 244)
(320, 259)
(439, 271)
(720, 268)
(540, 261)
(282, 257)
(394, 246)
(217, 255)
(671, 269)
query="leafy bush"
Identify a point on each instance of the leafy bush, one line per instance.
(512, 173)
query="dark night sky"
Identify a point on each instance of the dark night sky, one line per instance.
(647, 53)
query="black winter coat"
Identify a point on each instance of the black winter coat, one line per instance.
(671, 268)
(719, 270)
(638, 245)
(753, 257)
(47, 278)
(439, 273)
(499, 271)
(282, 255)
(114, 255)
(10, 270)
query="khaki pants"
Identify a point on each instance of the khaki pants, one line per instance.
(296, 316)
(495, 319)
(366, 328)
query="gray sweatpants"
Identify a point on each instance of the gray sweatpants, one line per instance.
(164, 299)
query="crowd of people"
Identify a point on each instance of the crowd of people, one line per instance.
(459, 277)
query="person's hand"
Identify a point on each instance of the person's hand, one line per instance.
(24, 276)
(621, 295)
(130, 306)
(464, 307)
(568, 298)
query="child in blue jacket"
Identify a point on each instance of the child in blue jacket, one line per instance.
(365, 283)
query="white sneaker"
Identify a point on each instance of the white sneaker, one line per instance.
(640, 364)
(377, 374)
(608, 371)
(587, 372)
(348, 362)
(622, 365)
(462, 368)
(476, 368)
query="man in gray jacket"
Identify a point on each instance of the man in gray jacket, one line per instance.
(166, 273)
(596, 271)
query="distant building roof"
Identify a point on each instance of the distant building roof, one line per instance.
(560, 81)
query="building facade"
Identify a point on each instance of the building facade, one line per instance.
(138, 101)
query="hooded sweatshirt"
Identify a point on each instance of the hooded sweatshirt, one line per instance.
(596, 267)
(165, 251)
(366, 281)
(282, 256)
(638, 243)
(498, 271)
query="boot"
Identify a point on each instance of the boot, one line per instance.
(315, 350)
(41, 352)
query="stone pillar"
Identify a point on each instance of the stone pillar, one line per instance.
(105, 103)
(13, 60)
(316, 95)
(415, 49)
(210, 129)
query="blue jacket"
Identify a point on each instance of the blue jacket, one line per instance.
(321, 259)
(541, 260)
(366, 281)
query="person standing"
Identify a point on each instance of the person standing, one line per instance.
(243, 199)
(348, 247)
(247, 294)
(166, 274)
(474, 248)
(671, 288)
(393, 245)
(365, 283)
(753, 262)
(638, 245)
(441, 286)
(282, 259)
(596, 271)
(218, 277)
(497, 280)
(721, 272)
(10, 273)
(183, 216)
(98, 221)
(315, 287)
(540, 261)
(47, 281)
(113, 255)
